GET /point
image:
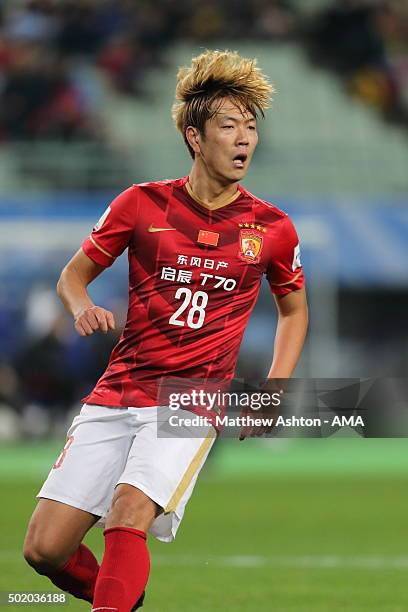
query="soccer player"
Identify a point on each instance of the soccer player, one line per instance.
(198, 248)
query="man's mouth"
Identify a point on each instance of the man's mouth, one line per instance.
(239, 160)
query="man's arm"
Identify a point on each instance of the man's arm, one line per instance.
(290, 333)
(71, 288)
(289, 340)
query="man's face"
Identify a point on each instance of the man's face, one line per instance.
(228, 143)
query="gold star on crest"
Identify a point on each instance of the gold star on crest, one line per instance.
(257, 226)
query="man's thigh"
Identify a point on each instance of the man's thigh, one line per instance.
(56, 530)
(165, 466)
(86, 472)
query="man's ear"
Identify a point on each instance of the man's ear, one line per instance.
(193, 138)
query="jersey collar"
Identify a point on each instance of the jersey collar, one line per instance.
(222, 204)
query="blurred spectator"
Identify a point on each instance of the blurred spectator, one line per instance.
(33, 21)
(37, 100)
(77, 33)
(42, 367)
(42, 309)
(275, 20)
(9, 386)
(125, 63)
(362, 41)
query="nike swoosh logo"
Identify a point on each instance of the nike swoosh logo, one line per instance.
(161, 229)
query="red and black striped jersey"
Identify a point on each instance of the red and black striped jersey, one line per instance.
(194, 276)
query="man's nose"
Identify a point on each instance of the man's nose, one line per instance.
(242, 136)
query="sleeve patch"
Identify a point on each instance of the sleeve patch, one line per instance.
(102, 220)
(296, 258)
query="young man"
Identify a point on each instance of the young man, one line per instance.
(198, 248)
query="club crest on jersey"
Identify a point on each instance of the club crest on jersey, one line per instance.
(250, 242)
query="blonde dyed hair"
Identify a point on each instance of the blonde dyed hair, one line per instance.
(214, 75)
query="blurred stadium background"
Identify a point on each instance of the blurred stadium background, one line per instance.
(85, 93)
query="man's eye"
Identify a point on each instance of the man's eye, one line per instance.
(227, 127)
(251, 127)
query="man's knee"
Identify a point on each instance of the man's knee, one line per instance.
(54, 533)
(132, 508)
(42, 556)
(42, 550)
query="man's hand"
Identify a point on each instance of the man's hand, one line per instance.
(255, 431)
(92, 319)
(275, 388)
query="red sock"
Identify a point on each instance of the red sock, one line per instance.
(124, 570)
(78, 575)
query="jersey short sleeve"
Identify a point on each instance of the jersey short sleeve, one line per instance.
(114, 230)
(284, 271)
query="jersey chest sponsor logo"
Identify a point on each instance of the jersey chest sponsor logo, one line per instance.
(250, 242)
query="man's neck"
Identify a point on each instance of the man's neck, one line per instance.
(210, 192)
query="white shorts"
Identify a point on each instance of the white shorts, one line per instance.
(109, 446)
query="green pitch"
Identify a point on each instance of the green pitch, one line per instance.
(305, 526)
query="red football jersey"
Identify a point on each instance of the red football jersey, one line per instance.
(194, 276)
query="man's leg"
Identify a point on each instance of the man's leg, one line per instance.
(53, 547)
(167, 470)
(125, 567)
